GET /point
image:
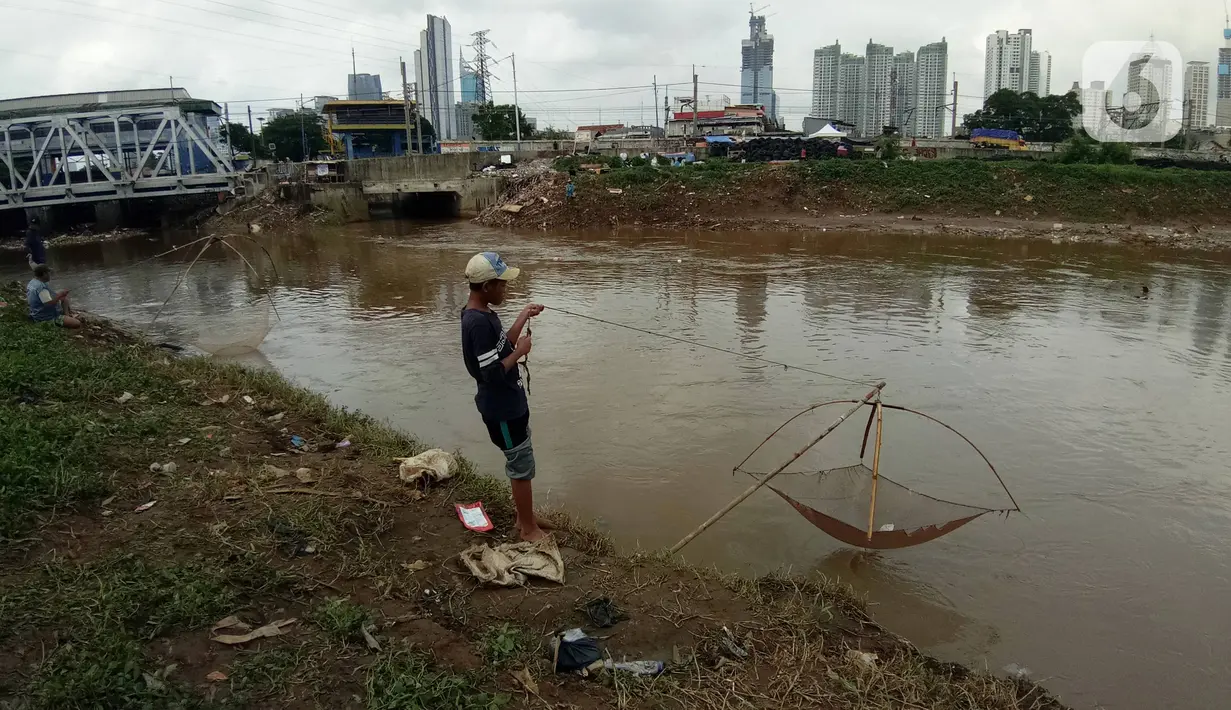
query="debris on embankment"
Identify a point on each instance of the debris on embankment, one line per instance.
(78, 236)
(267, 211)
(184, 533)
(1064, 203)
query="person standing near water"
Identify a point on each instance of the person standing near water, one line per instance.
(491, 356)
(36, 252)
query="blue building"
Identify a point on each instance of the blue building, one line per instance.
(470, 84)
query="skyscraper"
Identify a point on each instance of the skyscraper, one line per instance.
(1040, 74)
(826, 70)
(434, 74)
(469, 80)
(1222, 109)
(850, 90)
(363, 87)
(931, 96)
(902, 93)
(1147, 103)
(1007, 62)
(756, 77)
(1196, 95)
(469, 105)
(877, 91)
(1095, 101)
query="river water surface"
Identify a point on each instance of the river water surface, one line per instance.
(1105, 411)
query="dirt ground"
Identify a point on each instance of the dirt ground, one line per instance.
(776, 202)
(105, 606)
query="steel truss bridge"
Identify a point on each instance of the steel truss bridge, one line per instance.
(111, 153)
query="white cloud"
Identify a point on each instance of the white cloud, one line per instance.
(217, 50)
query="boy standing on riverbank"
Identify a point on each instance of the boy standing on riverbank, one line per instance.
(491, 359)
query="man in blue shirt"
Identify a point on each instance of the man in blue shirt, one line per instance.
(45, 306)
(491, 359)
(36, 252)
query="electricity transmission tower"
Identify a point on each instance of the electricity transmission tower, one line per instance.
(481, 63)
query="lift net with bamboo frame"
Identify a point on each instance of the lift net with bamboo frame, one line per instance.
(854, 502)
(242, 323)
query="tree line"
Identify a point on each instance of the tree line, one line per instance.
(288, 134)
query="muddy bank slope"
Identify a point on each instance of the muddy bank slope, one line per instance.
(1100, 203)
(118, 571)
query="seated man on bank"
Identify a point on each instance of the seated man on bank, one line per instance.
(45, 306)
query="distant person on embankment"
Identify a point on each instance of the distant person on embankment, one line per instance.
(491, 358)
(36, 252)
(45, 306)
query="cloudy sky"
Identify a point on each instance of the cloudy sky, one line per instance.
(578, 61)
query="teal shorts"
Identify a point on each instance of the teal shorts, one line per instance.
(513, 438)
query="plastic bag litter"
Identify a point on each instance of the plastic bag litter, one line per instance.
(429, 467)
(574, 651)
(603, 613)
(1016, 671)
(636, 667)
(863, 658)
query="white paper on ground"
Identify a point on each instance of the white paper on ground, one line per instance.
(474, 517)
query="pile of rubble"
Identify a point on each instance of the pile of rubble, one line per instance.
(79, 235)
(529, 200)
(268, 211)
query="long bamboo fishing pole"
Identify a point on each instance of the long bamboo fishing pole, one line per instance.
(873, 394)
(876, 468)
(179, 281)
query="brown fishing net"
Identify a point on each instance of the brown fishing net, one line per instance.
(839, 484)
(216, 313)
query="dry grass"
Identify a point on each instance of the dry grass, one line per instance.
(579, 534)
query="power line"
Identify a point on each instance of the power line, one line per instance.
(228, 33)
(329, 17)
(332, 34)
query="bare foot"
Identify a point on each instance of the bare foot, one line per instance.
(540, 522)
(533, 534)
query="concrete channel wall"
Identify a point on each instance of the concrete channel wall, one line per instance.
(450, 184)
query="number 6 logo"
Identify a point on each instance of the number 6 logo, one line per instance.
(1132, 92)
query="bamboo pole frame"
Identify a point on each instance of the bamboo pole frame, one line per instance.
(871, 395)
(876, 467)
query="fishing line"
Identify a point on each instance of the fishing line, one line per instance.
(708, 347)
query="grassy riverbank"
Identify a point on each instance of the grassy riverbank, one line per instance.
(719, 194)
(103, 606)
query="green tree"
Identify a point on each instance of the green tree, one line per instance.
(243, 141)
(1037, 118)
(1081, 148)
(285, 134)
(889, 146)
(495, 123)
(552, 133)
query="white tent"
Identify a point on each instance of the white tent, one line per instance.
(828, 132)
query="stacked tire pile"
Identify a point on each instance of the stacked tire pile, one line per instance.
(761, 150)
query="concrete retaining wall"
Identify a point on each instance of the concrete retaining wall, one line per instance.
(346, 201)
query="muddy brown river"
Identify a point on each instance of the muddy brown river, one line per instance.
(1105, 409)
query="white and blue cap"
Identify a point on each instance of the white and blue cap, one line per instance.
(488, 266)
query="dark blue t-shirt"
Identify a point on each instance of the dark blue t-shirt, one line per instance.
(501, 396)
(34, 244)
